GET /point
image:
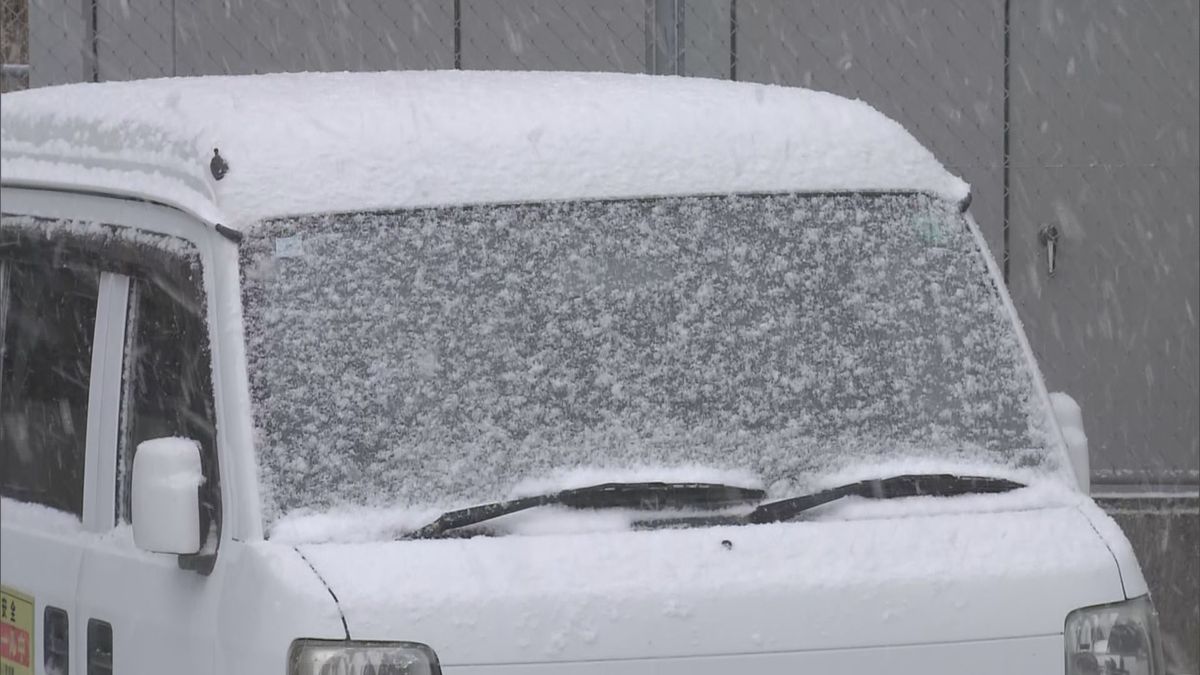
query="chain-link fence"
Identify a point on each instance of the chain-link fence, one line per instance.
(1074, 120)
(14, 45)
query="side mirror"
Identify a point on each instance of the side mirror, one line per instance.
(1070, 420)
(165, 495)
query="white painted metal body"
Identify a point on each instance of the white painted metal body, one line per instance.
(987, 590)
(262, 595)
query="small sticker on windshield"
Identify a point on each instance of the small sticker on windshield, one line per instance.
(289, 247)
(929, 229)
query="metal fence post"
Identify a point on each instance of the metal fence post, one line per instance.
(91, 45)
(664, 37)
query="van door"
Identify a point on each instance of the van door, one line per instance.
(50, 345)
(152, 612)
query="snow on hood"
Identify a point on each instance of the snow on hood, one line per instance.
(330, 142)
(726, 590)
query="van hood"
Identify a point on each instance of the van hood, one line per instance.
(782, 587)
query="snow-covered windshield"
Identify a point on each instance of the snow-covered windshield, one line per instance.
(443, 356)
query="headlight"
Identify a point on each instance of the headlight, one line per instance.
(350, 657)
(1117, 638)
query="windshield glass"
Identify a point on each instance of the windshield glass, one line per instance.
(442, 356)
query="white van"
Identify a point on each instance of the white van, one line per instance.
(463, 373)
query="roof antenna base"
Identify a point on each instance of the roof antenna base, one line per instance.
(218, 166)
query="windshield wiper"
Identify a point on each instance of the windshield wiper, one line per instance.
(909, 485)
(645, 496)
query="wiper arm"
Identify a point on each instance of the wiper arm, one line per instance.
(910, 485)
(647, 496)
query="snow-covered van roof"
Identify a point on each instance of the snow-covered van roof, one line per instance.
(332, 142)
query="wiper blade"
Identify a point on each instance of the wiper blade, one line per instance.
(909, 485)
(646, 496)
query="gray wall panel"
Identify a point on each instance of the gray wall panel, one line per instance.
(1104, 146)
(1116, 325)
(706, 38)
(242, 36)
(56, 43)
(554, 35)
(1105, 81)
(934, 66)
(134, 39)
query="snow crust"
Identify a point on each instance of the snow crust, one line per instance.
(39, 518)
(583, 476)
(99, 234)
(361, 524)
(443, 357)
(44, 521)
(165, 503)
(809, 585)
(1070, 420)
(329, 142)
(174, 463)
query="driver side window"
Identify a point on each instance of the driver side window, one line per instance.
(48, 302)
(166, 386)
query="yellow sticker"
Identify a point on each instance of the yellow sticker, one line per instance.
(16, 633)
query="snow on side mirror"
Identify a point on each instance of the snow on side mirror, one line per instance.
(166, 498)
(1070, 420)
